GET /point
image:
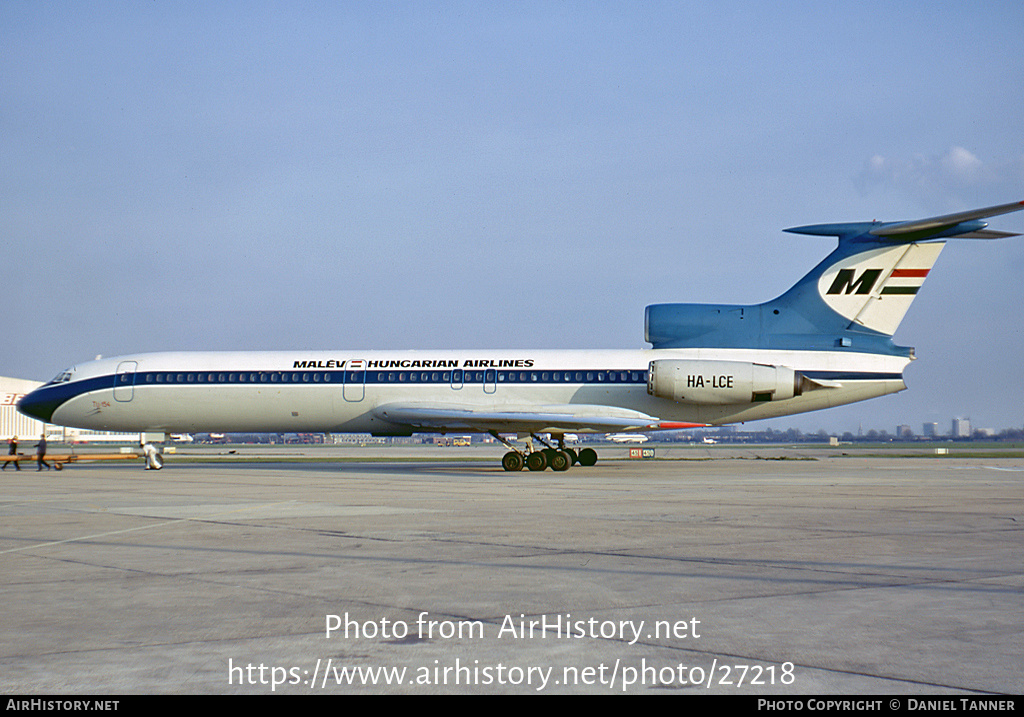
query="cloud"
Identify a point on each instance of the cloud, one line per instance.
(959, 164)
(939, 179)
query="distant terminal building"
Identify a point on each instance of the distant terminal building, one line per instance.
(961, 428)
(13, 423)
(357, 439)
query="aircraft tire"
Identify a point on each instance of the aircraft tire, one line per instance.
(588, 457)
(537, 461)
(572, 456)
(559, 461)
(512, 461)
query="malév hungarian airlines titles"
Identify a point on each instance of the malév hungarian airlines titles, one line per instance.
(360, 364)
(825, 342)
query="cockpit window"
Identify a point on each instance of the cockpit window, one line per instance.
(62, 377)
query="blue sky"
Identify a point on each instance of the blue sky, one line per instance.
(189, 175)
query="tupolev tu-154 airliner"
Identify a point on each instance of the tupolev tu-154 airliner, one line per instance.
(825, 342)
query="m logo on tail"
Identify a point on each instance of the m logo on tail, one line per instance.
(845, 283)
(874, 289)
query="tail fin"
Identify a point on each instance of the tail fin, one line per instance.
(874, 288)
(874, 282)
(856, 297)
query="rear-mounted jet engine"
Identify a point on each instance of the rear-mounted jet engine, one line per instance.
(714, 383)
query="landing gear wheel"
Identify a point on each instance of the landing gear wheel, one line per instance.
(588, 457)
(572, 456)
(512, 461)
(537, 461)
(559, 461)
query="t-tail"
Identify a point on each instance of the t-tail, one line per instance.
(855, 299)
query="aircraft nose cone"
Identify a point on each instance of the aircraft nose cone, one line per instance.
(38, 405)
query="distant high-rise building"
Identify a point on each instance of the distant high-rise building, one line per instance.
(904, 431)
(961, 428)
(930, 430)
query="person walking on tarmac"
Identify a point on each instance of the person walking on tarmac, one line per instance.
(12, 450)
(41, 453)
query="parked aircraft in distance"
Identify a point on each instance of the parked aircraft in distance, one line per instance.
(825, 342)
(628, 438)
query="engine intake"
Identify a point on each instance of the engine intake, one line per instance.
(722, 382)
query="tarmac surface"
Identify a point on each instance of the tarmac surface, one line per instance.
(739, 573)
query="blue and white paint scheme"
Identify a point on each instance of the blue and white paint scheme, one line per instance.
(825, 342)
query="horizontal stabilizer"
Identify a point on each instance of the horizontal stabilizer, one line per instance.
(963, 225)
(939, 225)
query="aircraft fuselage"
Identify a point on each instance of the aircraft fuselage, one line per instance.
(340, 391)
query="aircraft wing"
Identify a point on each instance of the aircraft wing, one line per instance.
(521, 419)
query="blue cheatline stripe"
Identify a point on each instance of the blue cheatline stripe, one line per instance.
(42, 402)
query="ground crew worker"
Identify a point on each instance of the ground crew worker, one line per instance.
(41, 454)
(12, 450)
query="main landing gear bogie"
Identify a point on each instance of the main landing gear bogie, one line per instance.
(557, 459)
(537, 461)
